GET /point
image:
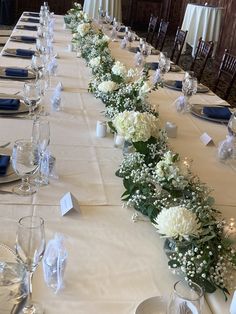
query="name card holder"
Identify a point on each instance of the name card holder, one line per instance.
(68, 203)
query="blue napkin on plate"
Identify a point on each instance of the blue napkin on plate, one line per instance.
(32, 14)
(153, 65)
(32, 20)
(217, 112)
(9, 104)
(4, 163)
(24, 52)
(178, 84)
(16, 72)
(28, 39)
(27, 27)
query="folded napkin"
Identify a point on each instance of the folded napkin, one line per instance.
(9, 104)
(153, 65)
(28, 27)
(178, 84)
(122, 29)
(28, 39)
(4, 163)
(217, 112)
(32, 14)
(24, 52)
(16, 72)
(32, 20)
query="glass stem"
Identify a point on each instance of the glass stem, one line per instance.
(25, 183)
(28, 304)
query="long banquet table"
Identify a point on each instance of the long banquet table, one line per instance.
(113, 263)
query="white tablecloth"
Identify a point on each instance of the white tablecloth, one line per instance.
(201, 21)
(113, 8)
(113, 263)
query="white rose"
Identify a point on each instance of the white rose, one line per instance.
(94, 62)
(83, 29)
(145, 89)
(119, 69)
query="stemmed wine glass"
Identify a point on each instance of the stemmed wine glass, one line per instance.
(25, 164)
(30, 247)
(189, 88)
(41, 137)
(32, 96)
(186, 298)
(38, 64)
(164, 65)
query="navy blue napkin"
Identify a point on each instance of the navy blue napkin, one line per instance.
(4, 163)
(28, 39)
(24, 52)
(9, 104)
(32, 20)
(32, 14)
(16, 72)
(178, 84)
(153, 65)
(27, 27)
(217, 112)
(122, 29)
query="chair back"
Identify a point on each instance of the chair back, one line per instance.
(203, 53)
(152, 27)
(161, 35)
(226, 75)
(178, 45)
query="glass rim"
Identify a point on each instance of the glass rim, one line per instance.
(24, 140)
(40, 222)
(188, 298)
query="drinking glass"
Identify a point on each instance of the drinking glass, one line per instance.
(38, 64)
(189, 88)
(25, 164)
(30, 247)
(186, 298)
(41, 138)
(164, 64)
(32, 96)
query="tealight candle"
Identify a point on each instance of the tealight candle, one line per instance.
(101, 129)
(171, 129)
(118, 140)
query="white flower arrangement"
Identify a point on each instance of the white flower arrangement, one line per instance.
(83, 29)
(107, 87)
(168, 174)
(177, 222)
(119, 69)
(135, 126)
(95, 62)
(145, 89)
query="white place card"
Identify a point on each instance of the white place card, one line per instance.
(68, 203)
(206, 139)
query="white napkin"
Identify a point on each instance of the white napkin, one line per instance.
(157, 77)
(225, 151)
(180, 103)
(52, 66)
(56, 97)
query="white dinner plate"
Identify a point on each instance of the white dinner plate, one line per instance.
(31, 75)
(153, 305)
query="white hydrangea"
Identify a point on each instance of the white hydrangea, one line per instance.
(78, 5)
(136, 126)
(177, 222)
(107, 86)
(94, 62)
(83, 29)
(119, 69)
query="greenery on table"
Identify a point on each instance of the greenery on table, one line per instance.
(157, 182)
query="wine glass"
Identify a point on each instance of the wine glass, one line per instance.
(186, 298)
(189, 88)
(30, 247)
(25, 163)
(41, 138)
(38, 64)
(32, 96)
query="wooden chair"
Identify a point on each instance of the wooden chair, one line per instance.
(226, 75)
(161, 35)
(203, 53)
(152, 27)
(178, 45)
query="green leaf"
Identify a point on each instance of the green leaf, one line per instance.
(171, 263)
(206, 284)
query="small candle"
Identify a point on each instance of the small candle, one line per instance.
(171, 129)
(118, 140)
(101, 129)
(69, 47)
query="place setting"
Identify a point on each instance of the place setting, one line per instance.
(29, 20)
(32, 14)
(24, 39)
(18, 53)
(27, 27)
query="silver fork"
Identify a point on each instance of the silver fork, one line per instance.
(5, 145)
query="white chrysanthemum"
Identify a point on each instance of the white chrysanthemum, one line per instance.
(177, 222)
(94, 62)
(107, 86)
(105, 38)
(136, 126)
(119, 69)
(83, 29)
(78, 5)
